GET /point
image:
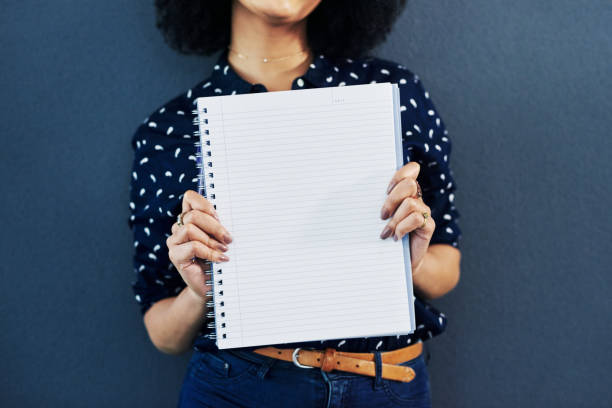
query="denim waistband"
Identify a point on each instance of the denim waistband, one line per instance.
(254, 357)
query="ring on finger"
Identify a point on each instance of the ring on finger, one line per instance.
(179, 220)
(425, 216)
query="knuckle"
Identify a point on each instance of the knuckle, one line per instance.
(172, 254)
(408, 187)
(189, 194)
(410, 203)
(400, 229)
(199, 246)
(414, 186)
(202, 249)
(395, 199)
(186, 197)
(191, 246)
(399, 214)
(406, 207)
(415, 220)
(207, 253)
(419, 215)
(188, 217)
(189, 231)
(431, 223)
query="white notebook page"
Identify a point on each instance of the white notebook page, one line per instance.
(299, 181)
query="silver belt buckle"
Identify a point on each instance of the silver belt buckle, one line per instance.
(294, 358)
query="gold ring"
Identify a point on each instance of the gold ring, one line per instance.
(179, 220)
(425, 216)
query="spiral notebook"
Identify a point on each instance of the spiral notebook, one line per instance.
(299, 178)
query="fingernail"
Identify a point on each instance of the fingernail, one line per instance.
(390, 186)
(227, 238)
(221, 247)
(394, 237)
(384, 213)
(385, 232)
(223, 258)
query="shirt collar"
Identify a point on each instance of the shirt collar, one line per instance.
(226, 81)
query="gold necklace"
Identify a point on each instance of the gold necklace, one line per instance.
(265, 59)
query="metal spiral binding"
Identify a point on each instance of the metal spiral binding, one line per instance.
(204, 164)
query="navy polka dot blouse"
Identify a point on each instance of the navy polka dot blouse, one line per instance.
(164, 168)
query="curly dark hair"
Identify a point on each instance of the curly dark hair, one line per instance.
(340, 28)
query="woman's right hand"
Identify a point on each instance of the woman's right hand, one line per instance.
(201, 237)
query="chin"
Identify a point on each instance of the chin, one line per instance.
(281, 11)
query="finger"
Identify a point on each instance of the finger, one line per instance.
(409, 170)
(190, 270)
(183, 254)
(208, 224)
(413, 222)
(190, 232)
(405, 188)
(198, 267)
(194, 201)
(407, 206)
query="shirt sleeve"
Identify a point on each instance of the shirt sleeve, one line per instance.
(426, 141)
(157, 185)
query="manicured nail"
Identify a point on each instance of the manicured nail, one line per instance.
(394, 237)
(390, 187)
(227, 238)
(385, 232)
(384, 213)
(223, 258)
(221, 247)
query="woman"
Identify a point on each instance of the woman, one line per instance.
(271, 46)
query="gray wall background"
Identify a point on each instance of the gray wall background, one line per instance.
(525, 90)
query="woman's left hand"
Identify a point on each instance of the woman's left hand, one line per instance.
(408, 212)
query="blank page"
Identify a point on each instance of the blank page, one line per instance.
(299, 179)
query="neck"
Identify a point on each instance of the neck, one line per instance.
(257, 38)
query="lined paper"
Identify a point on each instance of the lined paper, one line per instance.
(299, 181)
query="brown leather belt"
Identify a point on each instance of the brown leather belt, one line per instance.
(359, 363)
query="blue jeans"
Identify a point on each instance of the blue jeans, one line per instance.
(244, 379)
